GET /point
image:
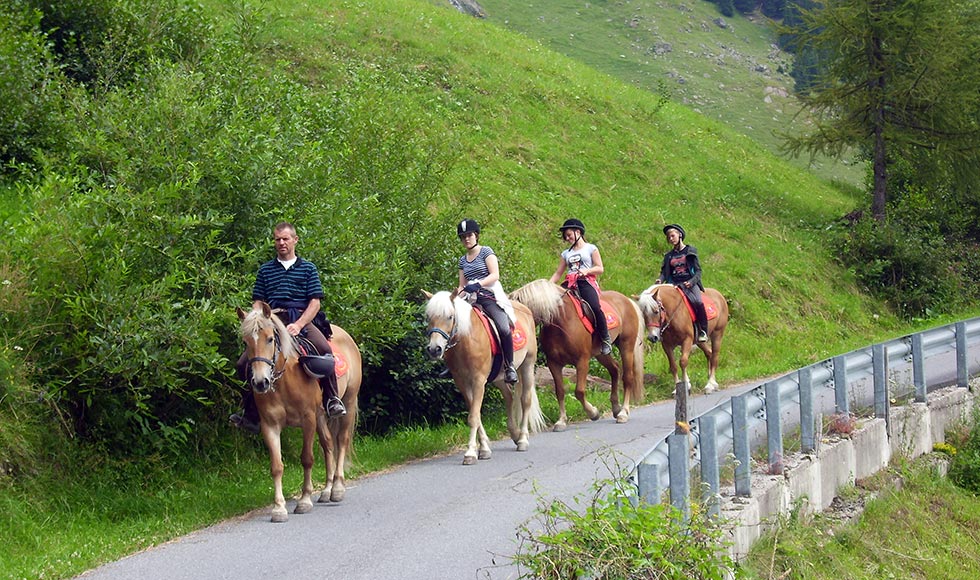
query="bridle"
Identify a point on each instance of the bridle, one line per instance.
(274, 363)
(451, 339)
(664, 320)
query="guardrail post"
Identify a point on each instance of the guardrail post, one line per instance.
(710, 473)
(808, 440)
(678, 450)
(879, 365)
(648, 482)
(840, 385)
(962, 369)
(740, 443)
(774, 429)
(918, 368)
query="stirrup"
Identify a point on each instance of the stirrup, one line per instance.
(606, 346)
(510, 375)
(702, 336)
(335, 407)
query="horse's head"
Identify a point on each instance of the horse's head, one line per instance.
(265, 348)
(653, 310)
(448, 319)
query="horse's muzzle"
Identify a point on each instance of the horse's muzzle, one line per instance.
(435, 351)
(261, 385)
(654, 335)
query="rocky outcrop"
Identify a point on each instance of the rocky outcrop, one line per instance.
(471, 7)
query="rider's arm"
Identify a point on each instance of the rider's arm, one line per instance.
(596, 268)
(311, 310)
(560, 272)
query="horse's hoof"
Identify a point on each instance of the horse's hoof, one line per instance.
(303, 507)
(710, 389)
(522, 446)
(469, 460)
(279, 515)
(485, 454)
(595, 417)
(623, 418)
(338, 493)
(324, 496)
(559, 427)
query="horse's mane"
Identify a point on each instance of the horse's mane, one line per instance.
(542, 297)
(255, 321)
(441, 306)
(647, 304)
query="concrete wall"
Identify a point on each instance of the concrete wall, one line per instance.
(811, 481)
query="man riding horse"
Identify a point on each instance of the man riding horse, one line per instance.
(291, 286)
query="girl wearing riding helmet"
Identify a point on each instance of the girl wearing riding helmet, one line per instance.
(583, 263)
(479, 275)
(682, 268)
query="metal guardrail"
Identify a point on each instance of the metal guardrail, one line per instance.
(867, 378)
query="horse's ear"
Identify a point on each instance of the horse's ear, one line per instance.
(241, 313)
(266, 310)
(454, 294)
(428, 295)
(635, 297)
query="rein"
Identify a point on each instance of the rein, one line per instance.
(276, 372)
(665, 324)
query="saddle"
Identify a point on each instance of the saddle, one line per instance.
(518, 337)
(585, 314)
(320, 365)
(710, 308)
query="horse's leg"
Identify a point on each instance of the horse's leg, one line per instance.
(525, 382)
(305, 502)
(581, 379)
(712, 355)
(474, 398)
(622, 415)
(615, 375)
(559, 380)
(685, 356)
(711, 386)
(672, 364)
(342, 431)
(272, 443)
(326, 445)
(513, 411)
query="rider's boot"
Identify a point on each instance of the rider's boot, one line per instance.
(248, 418)
(331, 402)
(606, 346)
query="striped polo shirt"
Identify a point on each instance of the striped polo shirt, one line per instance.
(277, 285)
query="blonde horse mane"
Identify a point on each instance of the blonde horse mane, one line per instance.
(647, 304)
(256, 321)
(542, 297)
(443, 306)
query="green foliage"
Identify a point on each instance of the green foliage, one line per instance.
(610, 538)
(964, 469)
(31, 115)
(904, 263)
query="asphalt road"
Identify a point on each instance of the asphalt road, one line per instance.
(432, 520)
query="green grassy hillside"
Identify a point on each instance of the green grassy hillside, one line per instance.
(727, 68)
(540, 137)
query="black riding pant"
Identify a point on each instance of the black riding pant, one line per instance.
(697, 303)
(589, 294)
(502, 322)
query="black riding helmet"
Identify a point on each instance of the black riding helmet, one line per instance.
(674, 227)
(467, 226)
(572, 224)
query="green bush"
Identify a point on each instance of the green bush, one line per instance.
(610, 538)
(964, 468)
(30, 88)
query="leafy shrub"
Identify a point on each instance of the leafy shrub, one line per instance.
(613, 539)
(964, 469)
(904, 263)
(30, 88)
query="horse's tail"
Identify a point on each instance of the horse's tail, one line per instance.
(639, 388)
(537, 422)
(542, 298)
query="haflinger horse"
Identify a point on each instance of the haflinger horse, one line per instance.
(287, 396)
(458, 335)
(670, 321)
(565, 340)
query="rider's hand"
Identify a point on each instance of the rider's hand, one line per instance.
(293, 329)
(472, 287)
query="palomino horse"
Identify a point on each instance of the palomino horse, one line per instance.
(669, 320)
(287, 396)
(457, 335)
(566, 341)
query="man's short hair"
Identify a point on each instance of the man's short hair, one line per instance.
(284, 226)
